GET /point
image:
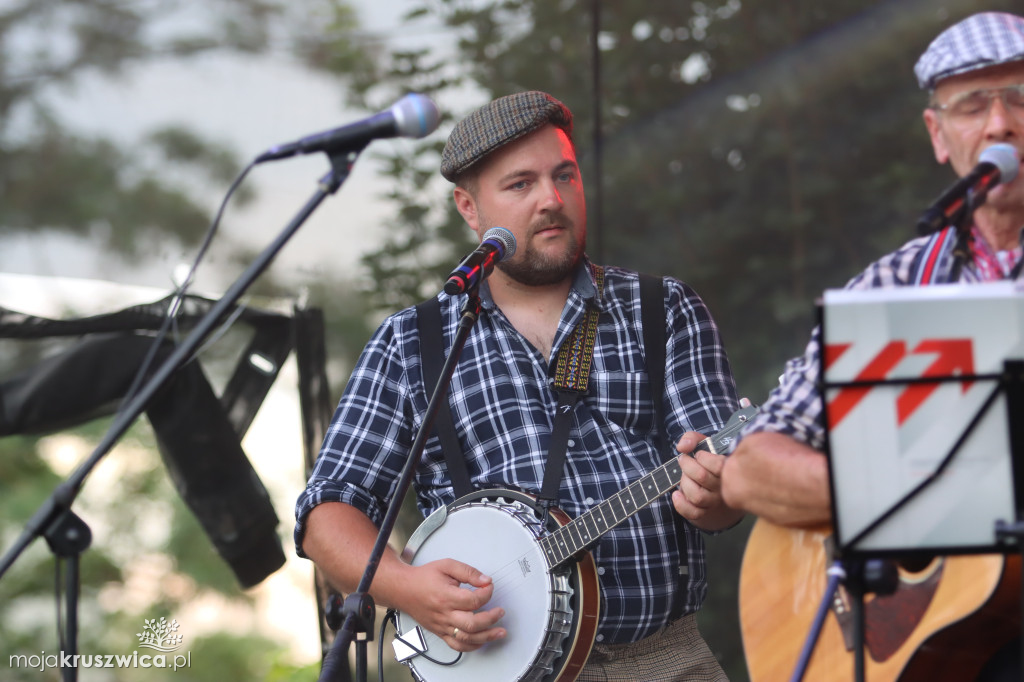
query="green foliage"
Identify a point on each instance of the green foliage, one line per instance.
(417, 256)
(129, 200)
(330, 41)
(223, 656)
(769, 150)
(283, 671)
(18, 464)
(148, 557)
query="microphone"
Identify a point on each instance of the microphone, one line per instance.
(997, 164)
(497, 245)
(412, 116)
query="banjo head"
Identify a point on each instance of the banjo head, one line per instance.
(498, 536)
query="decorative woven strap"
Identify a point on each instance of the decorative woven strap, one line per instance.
(572, 373)
(572, 367)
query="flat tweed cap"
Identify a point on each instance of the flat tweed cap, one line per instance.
(977, 42)
(496, 124)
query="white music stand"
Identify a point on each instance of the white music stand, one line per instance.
(919, 385)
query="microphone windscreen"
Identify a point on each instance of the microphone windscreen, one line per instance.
(507, 239)
(415, 115)
(1004, 157)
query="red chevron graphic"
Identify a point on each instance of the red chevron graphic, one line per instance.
(955, 356)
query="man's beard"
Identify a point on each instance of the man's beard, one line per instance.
(533, 269)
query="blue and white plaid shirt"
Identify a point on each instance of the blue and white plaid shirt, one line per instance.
(503, 404)
(794, 407)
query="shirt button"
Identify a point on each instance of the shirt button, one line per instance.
(571, 443)
(600, 638)
(600, 571)
(589, 500)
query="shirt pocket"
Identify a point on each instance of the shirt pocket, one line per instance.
(623, 398)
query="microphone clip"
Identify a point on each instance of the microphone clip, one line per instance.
(934, 220)
(997, 164)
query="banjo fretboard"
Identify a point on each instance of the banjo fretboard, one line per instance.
(564, 543)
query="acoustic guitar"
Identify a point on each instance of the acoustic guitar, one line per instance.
(943, 622)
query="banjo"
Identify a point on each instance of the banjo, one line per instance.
(543, 577)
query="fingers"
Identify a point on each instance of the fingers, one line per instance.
(472, 628)
(474, 588)
(699, 495)
(700, 484)
(703, 467)
(447, 594)
(475, 629)
(689, 441)
(682, 505)
(464, 573)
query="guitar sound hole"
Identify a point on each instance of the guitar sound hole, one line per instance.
(916, 564)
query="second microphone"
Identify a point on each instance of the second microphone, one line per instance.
(497, 245)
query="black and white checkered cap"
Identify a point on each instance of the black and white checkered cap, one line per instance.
(496, 124)
(977, 42)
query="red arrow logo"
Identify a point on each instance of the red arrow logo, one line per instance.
(881, 365)
(954, 357)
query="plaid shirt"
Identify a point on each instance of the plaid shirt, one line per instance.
(794, 407)
(503, 404)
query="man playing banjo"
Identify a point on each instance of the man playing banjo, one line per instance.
(545, 307)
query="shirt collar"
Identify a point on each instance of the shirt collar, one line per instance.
(584, 285)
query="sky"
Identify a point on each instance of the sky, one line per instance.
(252, 104)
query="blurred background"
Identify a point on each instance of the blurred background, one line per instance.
(760, 150)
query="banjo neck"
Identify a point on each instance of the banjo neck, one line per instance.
(562, 545)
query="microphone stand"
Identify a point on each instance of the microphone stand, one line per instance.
(836, 575)
(65, 532)
(934, 220)
(358, 608)
(1013, 531)
(860, 577)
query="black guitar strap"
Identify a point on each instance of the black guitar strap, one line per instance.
(428, 322)
(652, 317)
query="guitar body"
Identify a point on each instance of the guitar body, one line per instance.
(944, 621)
(550, 615)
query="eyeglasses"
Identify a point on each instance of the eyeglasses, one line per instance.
(976, 103)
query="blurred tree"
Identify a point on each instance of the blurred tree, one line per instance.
(149, 558)
(746, 145)
(127, 197)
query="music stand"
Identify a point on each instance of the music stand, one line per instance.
(923, 393)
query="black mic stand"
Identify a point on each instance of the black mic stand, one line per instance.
(836, 574)
(1014, 532)
(933, 219)
(66, 533)
(860, 577)
(358, 608)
